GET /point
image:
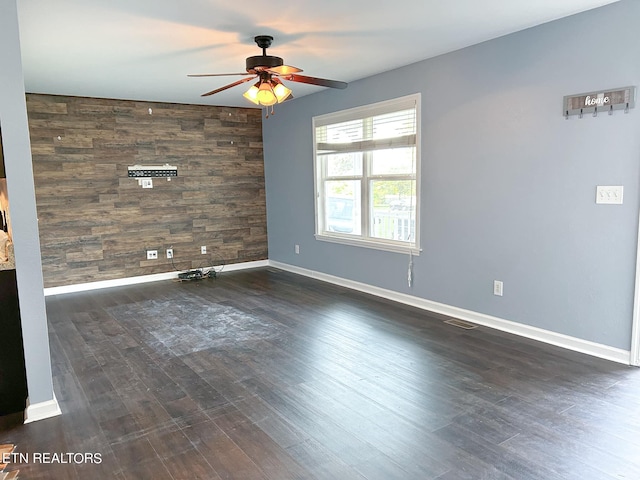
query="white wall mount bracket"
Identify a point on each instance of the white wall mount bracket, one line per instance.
(144, 173)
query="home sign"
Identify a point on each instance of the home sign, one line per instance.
(597, 102)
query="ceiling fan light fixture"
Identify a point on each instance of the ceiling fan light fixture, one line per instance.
(281, 91)
(265, 95)
(252, 94)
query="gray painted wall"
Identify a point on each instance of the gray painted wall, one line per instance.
(17, 158)
(508, 185)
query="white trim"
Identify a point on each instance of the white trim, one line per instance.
(635, 328)
(41, 410)
(243, 266)
(119, 282)
(571, 343)
(369, 110)
(376, 245)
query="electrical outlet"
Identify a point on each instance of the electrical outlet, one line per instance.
(169, 252)
(297, 249)
(497, 288)
(203, 249)
(152, 254)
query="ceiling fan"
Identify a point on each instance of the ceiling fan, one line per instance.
(270, 71)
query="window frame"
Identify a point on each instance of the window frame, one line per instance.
(365, 239)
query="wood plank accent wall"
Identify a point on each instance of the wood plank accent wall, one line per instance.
(96, 223)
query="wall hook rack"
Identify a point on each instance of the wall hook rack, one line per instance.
(615, 99)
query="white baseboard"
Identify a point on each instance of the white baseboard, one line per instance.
(546, 336)
(41, 410)
(119, 282)
(245, 265)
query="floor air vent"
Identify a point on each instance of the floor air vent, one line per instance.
(461, 324)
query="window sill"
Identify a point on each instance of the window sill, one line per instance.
(387, 247)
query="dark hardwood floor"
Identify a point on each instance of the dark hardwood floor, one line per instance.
(263, 374)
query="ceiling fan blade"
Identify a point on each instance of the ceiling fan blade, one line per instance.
(217, 90)
(322, 82)
(218, 74)
(284, 70)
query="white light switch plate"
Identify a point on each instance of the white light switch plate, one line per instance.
(609, 194)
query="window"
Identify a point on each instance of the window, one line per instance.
(367, 168)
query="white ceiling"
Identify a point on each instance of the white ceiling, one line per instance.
(144, 49)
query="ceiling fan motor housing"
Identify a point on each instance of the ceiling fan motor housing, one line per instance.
(262, 62)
